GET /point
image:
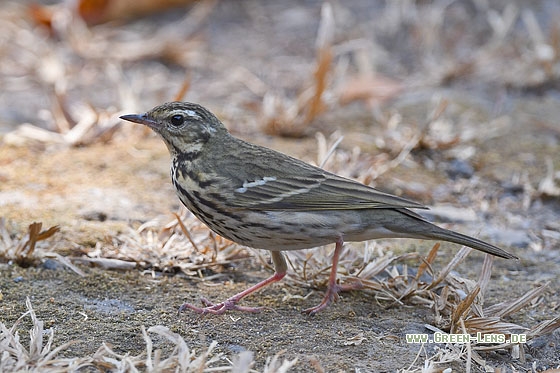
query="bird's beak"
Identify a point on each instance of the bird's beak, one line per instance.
(140, 118)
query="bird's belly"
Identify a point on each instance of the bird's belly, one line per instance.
(291, 230)
(294, 230)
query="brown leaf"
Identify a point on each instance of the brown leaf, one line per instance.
(24, 253)
(322, 70)
(429, 260)
(462, 308)
(183, 89)
(372, 89)
(41, 15)
(99, 11)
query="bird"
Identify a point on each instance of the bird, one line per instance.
(265, 199)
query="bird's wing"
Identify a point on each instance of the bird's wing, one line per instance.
(317, 190)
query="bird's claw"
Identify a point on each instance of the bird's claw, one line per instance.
(332, 296)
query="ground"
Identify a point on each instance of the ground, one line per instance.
(461, 117)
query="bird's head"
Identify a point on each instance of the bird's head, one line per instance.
(184, 126)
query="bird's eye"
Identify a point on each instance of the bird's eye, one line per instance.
(177, 120)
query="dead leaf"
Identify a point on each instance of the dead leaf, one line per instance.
(356, 340)
(372, 89)
(94, 12)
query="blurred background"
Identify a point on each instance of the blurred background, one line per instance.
(464, 90)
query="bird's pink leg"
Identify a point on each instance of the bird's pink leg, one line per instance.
(333, 288)
(280, 268)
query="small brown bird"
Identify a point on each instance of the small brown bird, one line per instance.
(264, 199)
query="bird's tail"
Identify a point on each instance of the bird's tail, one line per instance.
(475, 243)
(424, 229)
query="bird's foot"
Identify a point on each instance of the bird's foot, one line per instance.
(332, 296)
(231, 303)
(219, 308)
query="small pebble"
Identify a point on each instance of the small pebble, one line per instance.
(459, 168)
(94, 216)
(51, 264)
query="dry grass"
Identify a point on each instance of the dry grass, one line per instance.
(38, 356)
(29, 250)
(406, 280)
(457, 303)
(42, 356)
(285, 117)
(166, 246)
